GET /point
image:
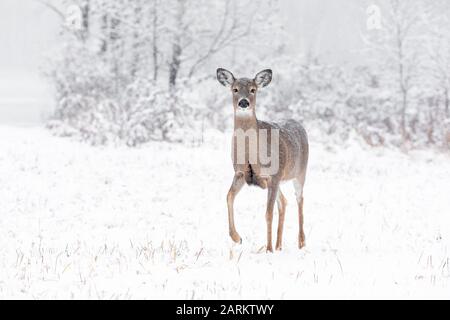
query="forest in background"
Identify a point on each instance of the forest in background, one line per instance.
(133, 71)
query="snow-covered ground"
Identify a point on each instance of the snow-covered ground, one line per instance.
(85, 222)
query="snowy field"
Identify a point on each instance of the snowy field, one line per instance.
(120, 223)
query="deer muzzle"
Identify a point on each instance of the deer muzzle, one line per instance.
(244, 103)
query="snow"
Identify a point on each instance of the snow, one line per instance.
(151, 222)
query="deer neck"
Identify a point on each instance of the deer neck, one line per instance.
(245, 121)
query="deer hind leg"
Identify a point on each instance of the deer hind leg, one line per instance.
(236, 186)
(271, 197)
(281, 203)
(298, 185)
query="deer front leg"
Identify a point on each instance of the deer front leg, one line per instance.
(271, 197)
(301, 235)
(236, 186)
(298, 185)
(281, 202)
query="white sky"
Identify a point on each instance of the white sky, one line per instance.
(326, 27)
(26, 30)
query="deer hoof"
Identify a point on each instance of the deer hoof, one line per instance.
(235, 237)
(278, 248)
(301, 244)
(301, 240)
(269, 249)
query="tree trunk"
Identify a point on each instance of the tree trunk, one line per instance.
(116, 51)
(155, 40)
(104, 32)
(177, 50)
(137, 45)
(430, 131)
(447, 103)
(85, 14)
(403, 87)
(174, 65)
(404, 108)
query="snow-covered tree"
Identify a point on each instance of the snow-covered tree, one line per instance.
(162, 47)
(396, 50)
(437, 24)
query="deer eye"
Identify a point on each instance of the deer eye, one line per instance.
(235, 90)
(253, 90)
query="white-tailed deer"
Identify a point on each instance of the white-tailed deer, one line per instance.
(288, 145)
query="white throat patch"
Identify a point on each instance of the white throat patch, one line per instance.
(243, 113)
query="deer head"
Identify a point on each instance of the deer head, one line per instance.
(243, 89)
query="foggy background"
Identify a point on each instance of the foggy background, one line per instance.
(29, 30)
(137, 71)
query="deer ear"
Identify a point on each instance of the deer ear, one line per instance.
(225, 77)
(263, 78)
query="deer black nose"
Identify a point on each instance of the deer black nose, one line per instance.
(244, 103)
